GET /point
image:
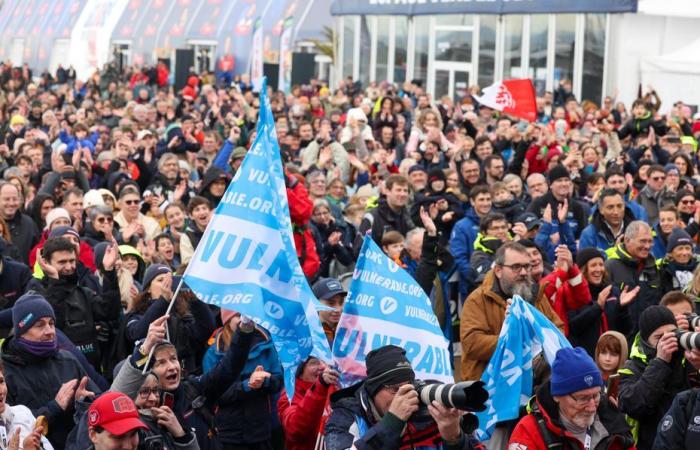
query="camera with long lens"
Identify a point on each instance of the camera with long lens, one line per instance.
(693, 320)
(689, 340)
(466, 396)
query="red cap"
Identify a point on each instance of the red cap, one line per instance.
(115, 412)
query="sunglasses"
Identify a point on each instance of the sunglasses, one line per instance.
(132, 202)
(104, 219)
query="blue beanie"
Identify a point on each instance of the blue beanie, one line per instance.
(573, 370)
(28, 309)
(153, 271)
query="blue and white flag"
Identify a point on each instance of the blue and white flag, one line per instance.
(526, 332)
(385, 305)
(246, 260)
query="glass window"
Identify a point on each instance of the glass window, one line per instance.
(365, 48)
(539, 26)
(348, 44)
(593, 58)
(383, 29)
(487, 50)
(512, 61)
(400, 48)
(422, 36)
(453, 46)
(453, 19)
(564, 49)
(442, 83)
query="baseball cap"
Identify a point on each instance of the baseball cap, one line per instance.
(326, 288)
(115, 412)
(530, 220)
(143, 133)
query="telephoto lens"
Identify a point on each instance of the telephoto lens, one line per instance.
(465, 396)
(689, 340)
(693, 321)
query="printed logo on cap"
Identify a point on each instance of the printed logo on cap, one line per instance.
(93, 417)
(588, 379)
(123, 405)
(26, 319)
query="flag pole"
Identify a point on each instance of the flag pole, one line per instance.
(167, 332)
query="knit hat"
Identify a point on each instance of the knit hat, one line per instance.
(387, 366)
(62, 231)
(677, 238)
(653, 317)
(557, 172)
(92, 198)
(672, 168)
(416, 168)
(573, 370)
(28, 309)
(54, 214)
(238, 153)
(436, 175)
(586, 254)
(153, 271)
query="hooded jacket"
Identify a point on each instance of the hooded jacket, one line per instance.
(528, 435)
(625, 271)
(305, 417)
(640, 127)
(675, 276)
(624, 349)
(462, 245)
(481, 320)
(647, 387)
(480, 263)
(598, 233)
(212, 174)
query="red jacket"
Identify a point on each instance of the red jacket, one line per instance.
(527, 435)
(567, 291)
(300, 209)
(304, 419)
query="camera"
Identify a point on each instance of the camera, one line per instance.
(465, 396)
(693, 320)
(154, 442)
(689, 340)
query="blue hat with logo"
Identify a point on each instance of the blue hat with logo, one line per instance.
(28, 309)
(574, 370)
(326, 288)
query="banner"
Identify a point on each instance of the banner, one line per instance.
(418, 7)
(385, 305)
(285, 65)
(256, 65)
(246, 260)
(525, 333)
(514, 97)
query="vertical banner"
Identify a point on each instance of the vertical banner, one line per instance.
(246, 260)
(285, 66)
(256, 67)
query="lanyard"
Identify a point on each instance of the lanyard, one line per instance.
(587, 440)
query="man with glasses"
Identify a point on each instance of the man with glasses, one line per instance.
(650, 195)
(571, 410)
(379, 412)
(631, 264)
(485, 309)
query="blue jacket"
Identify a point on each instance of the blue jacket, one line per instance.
(659, 247)
(245, 415)
(72, 142)
(462, 245)
(221, 158)
(597, 233)
(566, 237)
(638, 211)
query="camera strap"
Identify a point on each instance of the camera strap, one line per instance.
(587, 439)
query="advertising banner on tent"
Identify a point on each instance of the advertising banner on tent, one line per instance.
(285, 66)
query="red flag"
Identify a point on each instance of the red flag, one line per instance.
(514, 97)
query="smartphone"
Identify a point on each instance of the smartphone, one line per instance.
(167, 399)
(613, 385)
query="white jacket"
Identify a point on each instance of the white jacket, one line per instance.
(21, 417)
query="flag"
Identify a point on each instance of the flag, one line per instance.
(246, 260)
(514, 97)
(385, 305)
(508, 377)
(256, 66)
(285, 63)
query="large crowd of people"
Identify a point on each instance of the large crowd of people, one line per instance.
(591, 214)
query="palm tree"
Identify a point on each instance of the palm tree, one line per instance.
(326, 45)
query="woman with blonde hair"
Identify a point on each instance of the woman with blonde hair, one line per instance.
(428, 128)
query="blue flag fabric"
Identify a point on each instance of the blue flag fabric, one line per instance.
(525, 333)
(385, 305)
(246, 260)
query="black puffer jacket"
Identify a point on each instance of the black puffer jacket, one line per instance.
(25, 234)
(380, 220)
(34, 382)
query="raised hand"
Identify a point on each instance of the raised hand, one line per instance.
(627, 296)
(82, 391)
(49, 270)
(428, 223)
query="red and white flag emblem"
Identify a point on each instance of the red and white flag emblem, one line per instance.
(514, 97)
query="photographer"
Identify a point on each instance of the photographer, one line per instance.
(379, 412)
(655, 372)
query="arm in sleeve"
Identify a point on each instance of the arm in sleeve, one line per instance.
(428, 266)
(478, 340)
(385, 434)
(673, 436)
(459, 247)
(301, 419)
(107, 306)
(216, 381)
(642, 391)
(138, 328)
(583, 318)
(222, 157)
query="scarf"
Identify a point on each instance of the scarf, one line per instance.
(40, 349)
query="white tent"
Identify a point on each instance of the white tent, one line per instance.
(675, 75)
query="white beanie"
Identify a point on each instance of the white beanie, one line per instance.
(54, 214)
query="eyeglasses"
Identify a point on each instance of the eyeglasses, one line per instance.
(132, 202)
(104, 219)
(146, 392)
(583, 400)
(658, 178)
(687, 202)
(322, 213)
(518, 267)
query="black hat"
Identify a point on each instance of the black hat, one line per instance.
(653, 317)
(557, 172)
(436, 175)
(326, 288)
(530, 220)
(677, 238)
(152, 272)
(387, 366)
(416, 168)
(586, 254)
